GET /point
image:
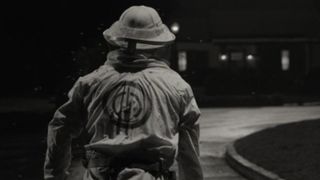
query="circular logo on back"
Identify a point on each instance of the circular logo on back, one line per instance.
(127, 105)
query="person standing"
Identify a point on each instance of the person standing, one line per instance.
(138, 118)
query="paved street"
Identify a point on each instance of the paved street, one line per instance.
(23, 154)
(220, 126)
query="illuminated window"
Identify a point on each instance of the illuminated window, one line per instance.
(285, 60)
(182, 61)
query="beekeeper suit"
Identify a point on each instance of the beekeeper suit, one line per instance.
(138, 117)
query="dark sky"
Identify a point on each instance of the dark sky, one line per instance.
(38, 36)
(58, 24)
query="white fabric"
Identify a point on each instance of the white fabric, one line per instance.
(113, 101)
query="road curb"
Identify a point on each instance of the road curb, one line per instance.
(247, 168)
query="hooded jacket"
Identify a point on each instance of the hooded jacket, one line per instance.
(131, 97)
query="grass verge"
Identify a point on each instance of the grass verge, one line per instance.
(289, 150)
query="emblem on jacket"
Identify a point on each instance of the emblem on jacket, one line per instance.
(128, 106)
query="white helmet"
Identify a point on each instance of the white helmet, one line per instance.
(140, 25)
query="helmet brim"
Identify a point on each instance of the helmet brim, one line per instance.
(120, 35)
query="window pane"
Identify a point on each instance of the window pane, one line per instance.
(182, 61)
(285, 60)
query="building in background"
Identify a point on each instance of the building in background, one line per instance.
(249, 47)
(223, 46)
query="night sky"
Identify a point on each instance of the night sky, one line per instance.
(42, 38)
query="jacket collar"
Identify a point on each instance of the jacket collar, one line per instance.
(118, 58)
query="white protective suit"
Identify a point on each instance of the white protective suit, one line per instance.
(131, 99)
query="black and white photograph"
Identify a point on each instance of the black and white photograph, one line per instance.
(160, 90)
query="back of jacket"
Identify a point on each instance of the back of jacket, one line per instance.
(135, 99)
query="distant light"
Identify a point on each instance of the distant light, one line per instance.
(250, 57)
(37, 88)
(175, 27)
(182, 61)
(223, 57)
(285, 60)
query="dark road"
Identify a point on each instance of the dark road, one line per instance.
(23, 138)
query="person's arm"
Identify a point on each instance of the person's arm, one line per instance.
(188, 146)
(65, 125)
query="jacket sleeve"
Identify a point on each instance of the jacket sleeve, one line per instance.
(65, 125)
(188, 146)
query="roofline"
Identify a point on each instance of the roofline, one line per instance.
(266, 40)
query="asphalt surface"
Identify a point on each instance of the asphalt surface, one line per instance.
(220, 126)
(22, 153)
